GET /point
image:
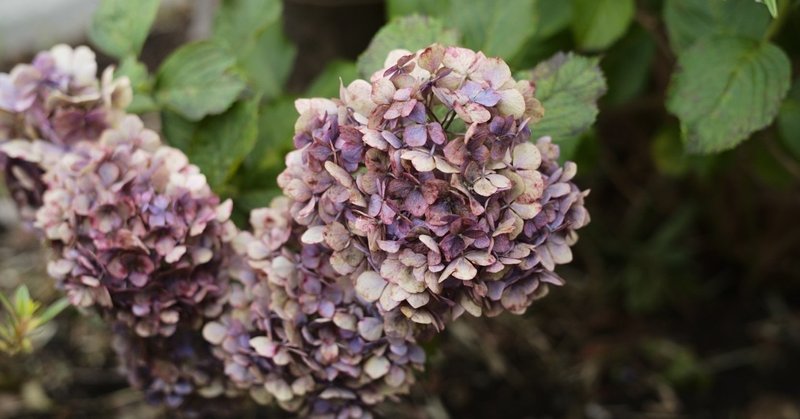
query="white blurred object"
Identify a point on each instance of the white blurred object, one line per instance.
(30, 25)
(27, 26)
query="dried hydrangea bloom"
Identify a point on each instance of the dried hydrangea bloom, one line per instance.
(136, 231)
(299, 335)
(176, 371)
(57, 99)
(425, 186)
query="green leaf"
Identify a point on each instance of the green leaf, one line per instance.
(568, 86)
(217, 144)
(8, 307)
(789, 120)
(52, 311)
(411, 33)
(22, 298)
(177, 130)
(628, 65)
(553, 17)
(23, 304)
(119, 27)
(688, 21)
(596, 24)
(269, 62)
(772, 5)
(253, 30)
(141, 83)
(198, 79)
(275, 139)
(397, 8)
(498, 28)
(256, 181)
(240, 22)
(327, 83)
(726, 89)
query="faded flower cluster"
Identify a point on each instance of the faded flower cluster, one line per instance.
(299, 335)
(411, 199)
(137, 234)
(136, 230)
(47, 106)
(424, 185)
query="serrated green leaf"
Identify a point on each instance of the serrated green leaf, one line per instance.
(498, 28)
(198, 79)
(726, 89)
(411, 33)
(217, 144)
(141, 83)
(596, 24)
(688, 21)
(568, 86)
(327, 83)
(253, 30)
(397, 8)
(119, 27)
(789, 120)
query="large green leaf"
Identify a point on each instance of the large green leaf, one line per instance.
(726, 89)
(688, 21)
(596, 24)
(253, 30)
(217, 144)
(327, 83)
(410, 32)
(789, 120)
(199, 79)
(498, 28)
(568, 86)
(119, 27)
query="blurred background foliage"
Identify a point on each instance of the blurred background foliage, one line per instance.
(684, 119)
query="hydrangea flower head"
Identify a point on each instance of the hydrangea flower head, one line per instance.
(136, 231)
(57, 100)
(424, 184)
(299, 334)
